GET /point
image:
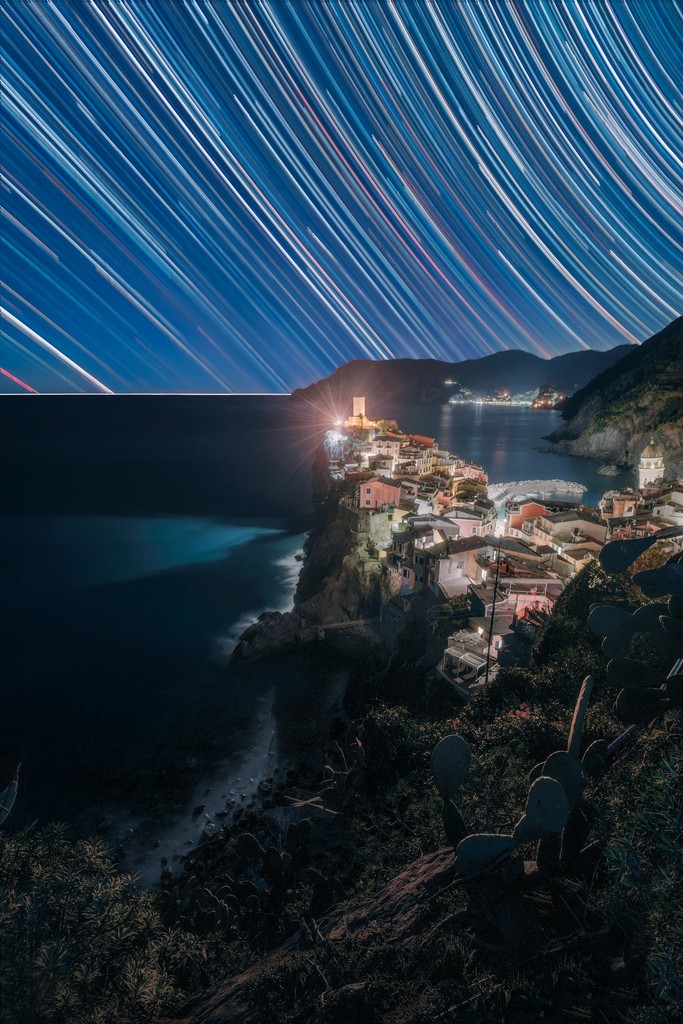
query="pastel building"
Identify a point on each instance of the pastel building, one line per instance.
(619, 504)
(380, 492)
(519, 511)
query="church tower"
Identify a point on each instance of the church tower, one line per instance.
(651, 466)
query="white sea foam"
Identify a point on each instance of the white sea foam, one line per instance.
(288, 568)
(224, 645)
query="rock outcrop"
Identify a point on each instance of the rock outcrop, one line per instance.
(272, 631)
(395, 914)
(614, 416)
(340, 580)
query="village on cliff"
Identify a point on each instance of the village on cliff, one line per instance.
(428, 525)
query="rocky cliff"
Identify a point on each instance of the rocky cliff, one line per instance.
(340, 581)
(341, 578)
(614, 416)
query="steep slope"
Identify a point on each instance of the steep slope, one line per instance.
(641, 395)
(398, 380)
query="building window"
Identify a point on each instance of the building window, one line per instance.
(474, 530)
(406, 572)
(368, 490)
(367, 501)
(460, 565)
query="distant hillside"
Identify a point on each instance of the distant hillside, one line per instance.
(395, 380)
(614, 415)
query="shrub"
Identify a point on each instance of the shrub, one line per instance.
(81, 943)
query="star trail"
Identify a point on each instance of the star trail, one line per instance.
(241, 196)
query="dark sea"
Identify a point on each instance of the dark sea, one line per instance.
(138, 537)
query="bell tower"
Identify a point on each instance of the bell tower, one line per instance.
(651, 465)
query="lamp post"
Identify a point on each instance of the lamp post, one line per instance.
(493, 613)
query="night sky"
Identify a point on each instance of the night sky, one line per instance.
(230, 197)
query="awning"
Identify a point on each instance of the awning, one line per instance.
(474, 660)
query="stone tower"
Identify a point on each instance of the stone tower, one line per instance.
(359, 408)
(651, 465)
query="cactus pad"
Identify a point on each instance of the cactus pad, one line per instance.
(565, 768)
(450, 764)
(478, 852)
(453, 823)
(547, 810)
(594, 759)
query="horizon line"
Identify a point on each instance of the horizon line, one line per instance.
(148, 394)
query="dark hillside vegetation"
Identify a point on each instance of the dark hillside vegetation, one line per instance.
(641, 395)
(387, 382)
(359, 912)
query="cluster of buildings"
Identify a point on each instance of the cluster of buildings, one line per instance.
(425, 519)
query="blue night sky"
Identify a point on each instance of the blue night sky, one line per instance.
(228, 197)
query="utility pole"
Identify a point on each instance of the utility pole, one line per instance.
(493, 613)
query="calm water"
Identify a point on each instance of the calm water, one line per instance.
(506, 443)
(138, 536)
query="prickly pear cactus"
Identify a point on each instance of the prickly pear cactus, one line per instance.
(453, 823)
(450, 762)
(595, 758)
(547, 809)
(645, 693)
(566, 769)
(479, 852)
(556, 812)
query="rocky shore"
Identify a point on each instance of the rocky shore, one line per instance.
(252, 791)
(328, 630)
(332, 624)
(272, 632)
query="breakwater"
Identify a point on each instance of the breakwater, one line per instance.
(499, 493)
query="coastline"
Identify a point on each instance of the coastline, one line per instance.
(285, 752)
(148, 845)
(153, 851)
